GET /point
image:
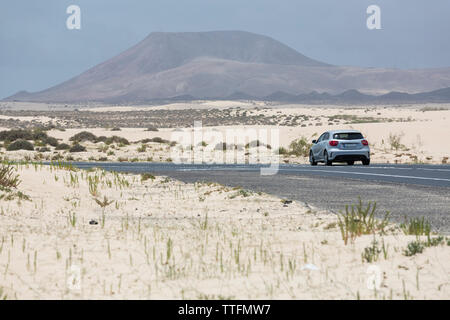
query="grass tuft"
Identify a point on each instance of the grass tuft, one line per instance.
(360, 220)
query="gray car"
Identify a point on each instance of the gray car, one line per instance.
(340, 146)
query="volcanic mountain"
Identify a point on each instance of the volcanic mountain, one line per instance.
(221, 64)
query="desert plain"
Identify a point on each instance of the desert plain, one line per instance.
(68, 233)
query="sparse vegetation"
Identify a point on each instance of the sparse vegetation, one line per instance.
(395, 142)
(416, 226)
(142, 148)
(300, 147)
(146, 176)
(8, 178)
(359, 221)
(116, 139)
(414, 248)
(371, 253)
(283, 151)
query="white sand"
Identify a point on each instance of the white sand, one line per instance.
(165, 239)
(422, 133)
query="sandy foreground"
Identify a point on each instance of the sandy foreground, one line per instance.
(396, 134)
(164, 239)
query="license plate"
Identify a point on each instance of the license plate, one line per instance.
(349, 145)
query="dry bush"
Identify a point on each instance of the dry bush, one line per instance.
(8, 178)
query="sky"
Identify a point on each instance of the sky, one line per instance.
(38, 51)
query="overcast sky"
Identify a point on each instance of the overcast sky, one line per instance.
(38, 51)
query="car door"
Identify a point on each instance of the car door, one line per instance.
(316, 148)
(323, 144)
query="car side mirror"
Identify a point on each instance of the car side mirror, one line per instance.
(314, 141)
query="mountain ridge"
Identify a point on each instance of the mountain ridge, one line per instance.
(219, 64)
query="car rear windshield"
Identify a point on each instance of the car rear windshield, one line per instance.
(348, 136)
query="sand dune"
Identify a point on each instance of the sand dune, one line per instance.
(408, 134)
(162, 239)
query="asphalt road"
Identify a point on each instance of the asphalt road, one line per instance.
(404, 190)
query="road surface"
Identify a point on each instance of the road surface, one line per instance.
(404, 190)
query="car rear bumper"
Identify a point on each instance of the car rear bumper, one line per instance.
(349, 155)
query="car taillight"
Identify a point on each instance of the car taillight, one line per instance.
(365, 142)
(333, 143)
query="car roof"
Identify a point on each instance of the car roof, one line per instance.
(341, 131)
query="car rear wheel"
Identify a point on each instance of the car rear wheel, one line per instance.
(350, 163)
(366, 162)
(328, 162)
(312, 161)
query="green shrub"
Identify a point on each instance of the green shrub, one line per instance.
(62, 146)
(300, 147)
(22, 134)
(159, 140)
(395, 142)
(416, 226)
(38, 134)
(77, 148)
(116, 139)
(371, 253)
(12, 135)
(51, 141)
(142, 148)
(83, 136)
(101, 139)
(413, 248)
(57, 157)
(360, 221)
(433, 242)
(20, 145)
(8, 178)
(146, 176)
(254, 144)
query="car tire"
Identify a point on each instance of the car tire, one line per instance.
(366, 162)
(312, 161)
(327, 161)
(350, 163)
